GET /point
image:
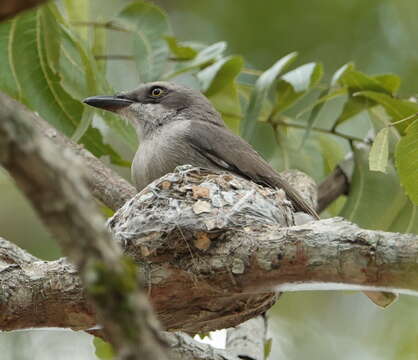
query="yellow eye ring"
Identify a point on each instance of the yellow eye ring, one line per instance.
(156, 92)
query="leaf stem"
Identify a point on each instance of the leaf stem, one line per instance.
(107, 25)
(325, 131)
(251, 71)
(115, 57)
(410, 117)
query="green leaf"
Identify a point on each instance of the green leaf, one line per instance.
(83, 125)
(260, 93)
(216, 76)
(296, 83)
(218, 83)
(352, 107)
(9, 82)
(398, 109)
(205, 57)
(324, 96)
(407, 161)
(227, 102)
(99, 46)
(313, 116)
(179, 50)
(150, 26)
(331, 150)
(93, 140)
(81, 76)
(51, 30)
(78, 10)
(289, 155)
(104, 350)
(375, 199)
(340, 72)
(407, 220)
(390, 82)
(379, 153)
(356, 81)
(267, 348)
(36, 84)
(380, 119)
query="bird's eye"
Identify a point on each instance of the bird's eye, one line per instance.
(157, 92)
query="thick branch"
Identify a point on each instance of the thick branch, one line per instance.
(52, 179)
(105, 185)
(335, 185)
(247, 340)
(196, 290)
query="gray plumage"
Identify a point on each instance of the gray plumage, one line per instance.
(177, 126)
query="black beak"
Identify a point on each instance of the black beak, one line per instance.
(109, 103)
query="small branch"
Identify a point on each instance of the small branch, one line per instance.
(10, 8)
(221, 264)
(325, 131)
(53, 181)
(184, 347)
(335, 185)
(115, 57)
(247, 340)
(107, 25)
(105, 185)
(254, 72)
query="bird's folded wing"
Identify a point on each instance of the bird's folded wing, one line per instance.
(233, 154)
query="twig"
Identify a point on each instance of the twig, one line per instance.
(251, 71)
(115, 57)
(106, 185)
(335, 185)
(325, 131)
(107, 25)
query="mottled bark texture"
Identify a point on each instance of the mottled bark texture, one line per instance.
(53, 180)
(104, 184)
(335, 185)
(210, 250)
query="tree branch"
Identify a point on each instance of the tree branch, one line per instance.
(247, 340)
(104, 184)
(215, 269)
(53, 180)
(335, 185)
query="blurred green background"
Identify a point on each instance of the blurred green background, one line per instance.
(379, 36)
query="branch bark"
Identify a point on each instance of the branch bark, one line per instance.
(53, 180)
(201, 290)
(335, 185)
(105, 185)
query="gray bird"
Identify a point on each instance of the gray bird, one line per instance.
(177, 125)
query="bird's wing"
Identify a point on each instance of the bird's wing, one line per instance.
(233, 154)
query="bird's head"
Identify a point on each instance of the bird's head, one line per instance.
(153, 105)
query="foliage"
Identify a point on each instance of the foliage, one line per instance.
(63, 63)
(104, 350)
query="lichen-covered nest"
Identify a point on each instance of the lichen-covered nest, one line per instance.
(198, 200)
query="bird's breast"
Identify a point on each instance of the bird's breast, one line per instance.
(161, 153)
